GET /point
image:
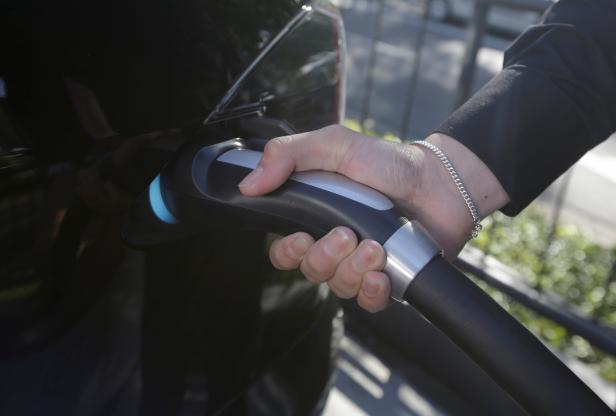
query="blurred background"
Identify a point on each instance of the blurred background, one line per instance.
(410, 63)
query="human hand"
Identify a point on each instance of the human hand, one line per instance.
(412, 177)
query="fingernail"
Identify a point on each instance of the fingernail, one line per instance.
(251, 178)
(361, 261)
(371, 286)
(335, 242)
(300, 245)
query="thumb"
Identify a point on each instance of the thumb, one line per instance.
(322, 149)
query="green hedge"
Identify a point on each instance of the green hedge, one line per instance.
(572, 266)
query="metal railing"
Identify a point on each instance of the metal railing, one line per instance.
(519, 289)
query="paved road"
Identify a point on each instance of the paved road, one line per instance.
(366, 386)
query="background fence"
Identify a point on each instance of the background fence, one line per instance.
(410, 64)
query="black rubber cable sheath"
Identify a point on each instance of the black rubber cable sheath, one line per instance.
(499, 344)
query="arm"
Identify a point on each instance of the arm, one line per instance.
(554, 100)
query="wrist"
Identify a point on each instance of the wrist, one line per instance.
(438, 202)
(485, 189)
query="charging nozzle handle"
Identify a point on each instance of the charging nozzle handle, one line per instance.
(203, 190)
(499, 344)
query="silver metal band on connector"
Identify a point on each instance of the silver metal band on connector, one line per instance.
(408, 250)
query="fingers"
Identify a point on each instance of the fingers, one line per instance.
(322, 259)
(374, 293)
(349, 269)
(348, 277)
(287, 253)
(389, 167)
(322, 149)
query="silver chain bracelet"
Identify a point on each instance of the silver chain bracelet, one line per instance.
(459, 184)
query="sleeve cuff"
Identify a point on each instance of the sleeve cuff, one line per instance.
(525, 129)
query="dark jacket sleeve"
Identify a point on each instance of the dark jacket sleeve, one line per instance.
(554, 100)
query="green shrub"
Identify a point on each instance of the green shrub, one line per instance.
(572, 266)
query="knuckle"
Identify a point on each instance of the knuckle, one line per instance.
(309, 274)
(273, 146)
(314, 269)
(345, 285)
(341, 291)
(349, 279)
(375, 254)
(298, 244)
(318, 264)
(374, 294)
(368, 256)
(277, 144)
(275, 260)
(336, 129)
(324, 258)
(340, 242)
(277, 256)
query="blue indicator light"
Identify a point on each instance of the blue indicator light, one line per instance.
(158, 204)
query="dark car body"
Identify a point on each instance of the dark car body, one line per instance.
(95, 97)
